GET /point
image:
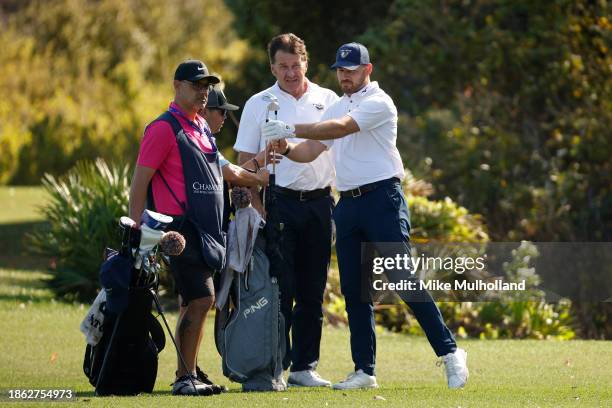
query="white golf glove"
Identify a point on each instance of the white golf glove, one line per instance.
(277, 129)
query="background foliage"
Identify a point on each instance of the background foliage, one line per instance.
(505, 105)
(80, 79)
(83, 212)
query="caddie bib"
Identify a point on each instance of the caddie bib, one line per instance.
(204, 192)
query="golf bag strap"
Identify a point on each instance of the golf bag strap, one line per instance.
(157, 333)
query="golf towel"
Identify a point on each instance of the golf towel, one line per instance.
(242, 233)
(91, 326)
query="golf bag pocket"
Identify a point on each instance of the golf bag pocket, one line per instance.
(213, 249)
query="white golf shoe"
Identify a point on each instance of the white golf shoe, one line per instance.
(456, 368)
(357, 380)
(306, 378)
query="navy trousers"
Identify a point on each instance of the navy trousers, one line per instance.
(306, 249)
(380, 215)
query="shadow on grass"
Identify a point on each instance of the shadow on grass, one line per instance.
(15, 252)
(24, 286)
(23, 276)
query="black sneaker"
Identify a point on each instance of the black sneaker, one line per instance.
(203, 377)
(185, 386)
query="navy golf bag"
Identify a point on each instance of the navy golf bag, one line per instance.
(125, 360)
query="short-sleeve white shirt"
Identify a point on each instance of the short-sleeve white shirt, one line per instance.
(371, 154)
(309, 108)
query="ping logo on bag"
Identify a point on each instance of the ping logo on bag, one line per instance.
(261, 302)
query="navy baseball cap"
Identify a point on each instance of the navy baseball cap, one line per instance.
(351, 56)
(194, 70)
(217, 99)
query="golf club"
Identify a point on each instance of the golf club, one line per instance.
(273, 106)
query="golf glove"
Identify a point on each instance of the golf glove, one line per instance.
(277, 129)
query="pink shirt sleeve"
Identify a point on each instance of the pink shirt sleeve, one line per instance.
(156, 143)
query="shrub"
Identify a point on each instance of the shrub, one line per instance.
(82, 212)
(502, 317)
(509, 317)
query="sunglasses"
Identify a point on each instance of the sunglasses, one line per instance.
(223, 111)
(201, 86)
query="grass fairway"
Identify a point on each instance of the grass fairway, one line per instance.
(42, 348)
(19, 204)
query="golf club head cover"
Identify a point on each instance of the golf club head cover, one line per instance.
(172, 243)
(241, 197)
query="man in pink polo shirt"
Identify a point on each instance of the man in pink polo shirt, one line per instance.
(181, 172)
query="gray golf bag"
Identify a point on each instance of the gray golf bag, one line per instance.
(249, 328)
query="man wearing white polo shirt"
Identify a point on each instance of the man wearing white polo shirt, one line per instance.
(303, 201)
(361, 131)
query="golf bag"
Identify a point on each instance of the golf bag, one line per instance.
(124, 362)
(124, 359)
(249, 329)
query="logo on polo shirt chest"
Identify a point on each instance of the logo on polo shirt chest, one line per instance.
(319, 106)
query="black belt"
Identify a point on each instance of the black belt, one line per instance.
(366, 188)
(303, 195)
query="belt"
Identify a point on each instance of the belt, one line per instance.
(303, 195)
(366, 188)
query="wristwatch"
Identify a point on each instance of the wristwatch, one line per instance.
(287, 151)
(256, 163)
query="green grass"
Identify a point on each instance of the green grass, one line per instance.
(41, 348)
(20, 204)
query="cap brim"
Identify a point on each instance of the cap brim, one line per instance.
(229, 107)
(211, 78)
(342, 65)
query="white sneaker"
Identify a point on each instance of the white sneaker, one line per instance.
(282, 385)
(456, 368)
(356, 380)
(306, 378)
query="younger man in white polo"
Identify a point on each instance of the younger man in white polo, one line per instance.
(361, 129)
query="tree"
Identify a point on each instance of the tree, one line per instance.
(509, 103)
(80, 79)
